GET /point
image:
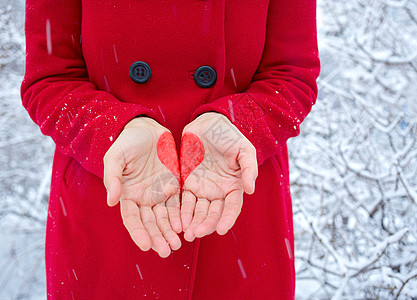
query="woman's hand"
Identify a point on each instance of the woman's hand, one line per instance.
(141, 171)
(218, 164)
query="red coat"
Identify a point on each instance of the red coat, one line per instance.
(77, 88)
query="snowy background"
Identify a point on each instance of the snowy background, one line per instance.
(353, 168)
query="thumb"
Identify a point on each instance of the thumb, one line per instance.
(249, 167)
(113, 169)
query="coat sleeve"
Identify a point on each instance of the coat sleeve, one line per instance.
(82, 120)
(284, 87)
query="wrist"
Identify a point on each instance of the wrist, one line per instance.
(211, 115)
(140, 120)
(143, 122)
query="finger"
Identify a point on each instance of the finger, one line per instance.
(232, 207)
(173, 207)
(164, 226)
(113, 170)
(132, 221)
(187, 208)
(159, 244)
(213, 217)
(249, 167)
(200, 214)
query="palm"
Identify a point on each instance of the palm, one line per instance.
(216, 176)
(146, 181)
(217, 164)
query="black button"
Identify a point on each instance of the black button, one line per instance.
(140, 72)
(205, 76)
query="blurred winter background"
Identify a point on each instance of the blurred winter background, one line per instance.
(353, 169)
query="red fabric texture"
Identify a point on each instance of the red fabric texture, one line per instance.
(78, 90)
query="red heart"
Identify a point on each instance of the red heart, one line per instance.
(192, 154)
(167, 153)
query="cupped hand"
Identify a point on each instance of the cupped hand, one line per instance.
(218, 164)
(141, 171)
